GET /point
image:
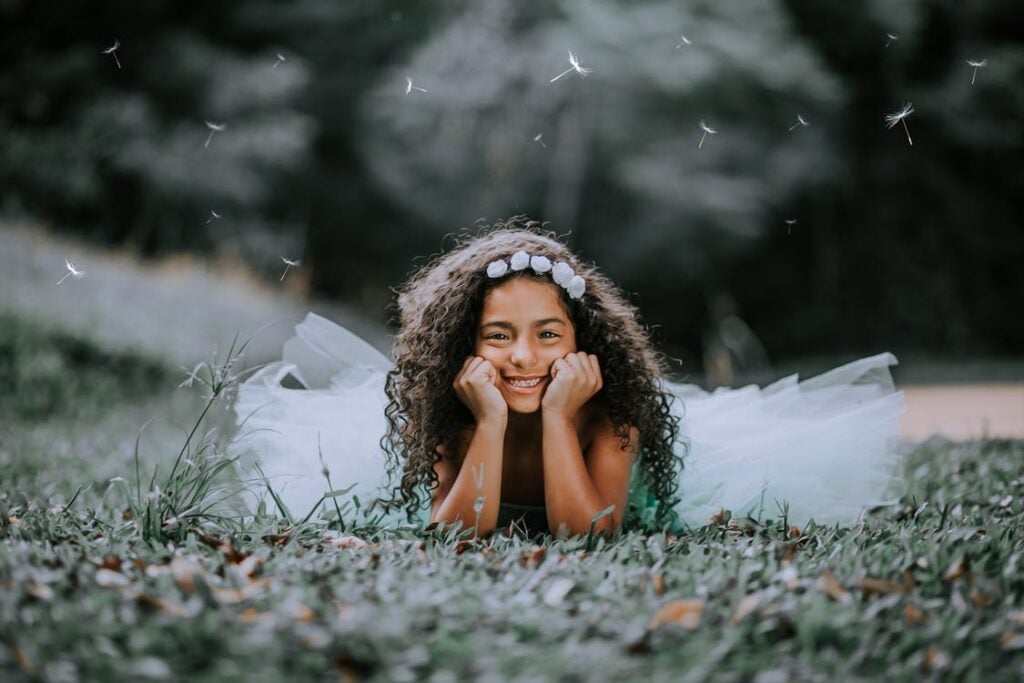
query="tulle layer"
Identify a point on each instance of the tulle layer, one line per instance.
(825, 447)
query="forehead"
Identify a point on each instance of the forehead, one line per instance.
(523, 299)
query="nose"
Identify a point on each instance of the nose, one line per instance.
(522, 353)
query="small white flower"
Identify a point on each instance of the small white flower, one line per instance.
(576, 287)
(520, 260)
(496, 268)
(562, 273)
(540, 264)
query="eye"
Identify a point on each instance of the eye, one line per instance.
(553, 335)
(496, 335)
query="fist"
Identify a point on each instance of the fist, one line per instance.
(476, 386)
(574, 381)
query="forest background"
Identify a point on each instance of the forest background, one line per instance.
(251, 132)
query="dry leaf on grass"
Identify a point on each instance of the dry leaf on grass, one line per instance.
(957, 570)
(1012, 640)
(872, 586)
(828, 585)
(685, 613)
(108, 578)
(746, 606)
(913, 615)
(935, 658)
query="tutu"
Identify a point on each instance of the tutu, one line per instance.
(826, 447)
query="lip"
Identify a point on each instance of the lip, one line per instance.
(525, 390)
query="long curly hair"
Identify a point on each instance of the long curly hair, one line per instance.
(438, 312)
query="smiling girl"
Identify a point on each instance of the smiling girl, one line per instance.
(525, 391)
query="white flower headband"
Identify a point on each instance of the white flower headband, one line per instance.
(562, 273)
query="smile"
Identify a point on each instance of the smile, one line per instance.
(524, 385)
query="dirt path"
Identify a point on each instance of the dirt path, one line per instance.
(964, 411)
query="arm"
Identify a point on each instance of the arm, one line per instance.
(456, 492)
(577, 487)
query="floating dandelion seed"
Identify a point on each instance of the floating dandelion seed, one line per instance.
(790, 222)
(478, 503)
(708, 130)
(900, 117)
(575, 66)
(214, 128)
(213, 216)
(537, 138)
(892, 37)
(409, 87)
(800, 121)
(72, 271)
(683, 40)
(288, 263)
(112, 51)
(280, 58)
(977, 64)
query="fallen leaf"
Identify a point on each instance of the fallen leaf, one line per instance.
(344, 540)
(108, 578)
(828, 585)
(746, 606)
(871, 586)
(684, 613)
(112, 562)
(720, 517)
(658, 583)
(794, 531)
(1012, 640)
(184, 570)
(1016, 616)
(913, 615)
(533, 556)
(957, 570)
(935, 658)
(40, 591)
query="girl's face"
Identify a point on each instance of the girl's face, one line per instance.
(523, 331)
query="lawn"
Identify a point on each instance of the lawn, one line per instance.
(122, 557)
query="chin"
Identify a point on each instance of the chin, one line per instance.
(524, 409)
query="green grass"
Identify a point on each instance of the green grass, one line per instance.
(89, 590)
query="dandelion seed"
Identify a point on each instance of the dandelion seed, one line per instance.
(790, 222)
(900, 117)
(800, 121)
(478, 503)
(72, 272)
(214, 128)
(213, 216)
(892, 37)
(683, 40)
(708, 130)
(409, 87)
(574, 66)
(288, 263)
(112, 51)
(537, 138)
(280, 59)
(977, 64)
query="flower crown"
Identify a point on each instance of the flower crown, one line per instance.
(562, 273)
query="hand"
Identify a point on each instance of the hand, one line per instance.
(475, 385)
(574, 380)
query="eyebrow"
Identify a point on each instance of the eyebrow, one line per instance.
(510, 326)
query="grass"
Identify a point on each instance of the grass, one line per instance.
(90, 588)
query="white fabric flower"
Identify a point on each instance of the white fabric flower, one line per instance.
(576, 287)
(520, 260)
(496, 268)
(540, 264)
(562, 273)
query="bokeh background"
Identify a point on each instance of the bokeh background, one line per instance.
(238, 134)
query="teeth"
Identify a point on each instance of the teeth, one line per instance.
(525, 384)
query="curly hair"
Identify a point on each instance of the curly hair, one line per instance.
(439, 310)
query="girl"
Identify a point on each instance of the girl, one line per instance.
(524, 391)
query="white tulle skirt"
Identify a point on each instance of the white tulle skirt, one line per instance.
(825, 448)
